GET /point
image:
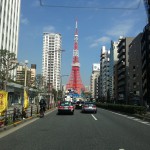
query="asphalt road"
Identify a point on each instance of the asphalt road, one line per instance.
(102, 131)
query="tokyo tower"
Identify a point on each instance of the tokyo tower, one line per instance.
(75, 82)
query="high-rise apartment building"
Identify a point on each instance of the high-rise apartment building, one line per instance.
(122, 68)
(146, 64)
(9, 25)
(51, 61)
(113, 62)
(104, 74)
(135, 69)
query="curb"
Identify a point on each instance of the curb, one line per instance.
(144, 118)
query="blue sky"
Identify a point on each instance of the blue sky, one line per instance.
(99, 22)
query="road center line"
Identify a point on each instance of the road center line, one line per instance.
(94, 117)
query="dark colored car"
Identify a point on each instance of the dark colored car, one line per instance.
(79, 104)
(66, 107)
(89, 107)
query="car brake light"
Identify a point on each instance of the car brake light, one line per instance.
(71, 107)
(85, 106)
(61, 107)
(94, 106)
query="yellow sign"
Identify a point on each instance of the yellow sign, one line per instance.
(3, 101)
(26, 100)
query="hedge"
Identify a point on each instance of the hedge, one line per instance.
(131, 109)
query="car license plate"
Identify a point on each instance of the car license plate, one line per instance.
(66, 108)
(90, 107)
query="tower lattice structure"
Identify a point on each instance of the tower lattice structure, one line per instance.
(75, 82)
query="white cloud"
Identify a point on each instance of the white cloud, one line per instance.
(102, 40)
(49, 29)
(121, 28)
(36, 3)
(24, 20)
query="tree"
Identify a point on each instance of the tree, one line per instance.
(7, 63)
(39, 81)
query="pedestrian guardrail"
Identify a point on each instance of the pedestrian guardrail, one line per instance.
(15, 114)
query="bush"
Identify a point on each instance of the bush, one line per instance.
(131, 109)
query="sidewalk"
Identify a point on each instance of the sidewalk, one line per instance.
(5, 128)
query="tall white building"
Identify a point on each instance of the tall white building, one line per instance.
(9, 25)
(51, 62)
(94, 80)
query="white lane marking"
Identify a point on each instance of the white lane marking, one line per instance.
(94, 117)
(121, 149)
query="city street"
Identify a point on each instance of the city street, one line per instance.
(102, 131)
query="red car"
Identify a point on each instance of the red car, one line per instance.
(66, 107)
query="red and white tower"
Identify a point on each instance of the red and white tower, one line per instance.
(75, 81)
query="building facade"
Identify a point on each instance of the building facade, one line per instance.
(94, 80)
(31, 75)
(104, 89)
(135, 70)
(51, 61)
(146, 64)
(122, 69)
(113, 62)
(9, 26)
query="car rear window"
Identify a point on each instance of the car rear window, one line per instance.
(89, 104)
(65, 104)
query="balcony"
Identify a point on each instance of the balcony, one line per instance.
(121, 65)
(121, 46)
(121, 90)
(121, 83)
(121, 77)
(121, 71)
(122, 52)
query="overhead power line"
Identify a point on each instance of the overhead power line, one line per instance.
(88, 7)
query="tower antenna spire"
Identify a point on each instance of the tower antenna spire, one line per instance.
(76, 30)
(75, 82)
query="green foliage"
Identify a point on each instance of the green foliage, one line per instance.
(7, 63)
(131, 109)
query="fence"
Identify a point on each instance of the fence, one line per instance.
(15, 114)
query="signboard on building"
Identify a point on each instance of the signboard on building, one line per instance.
(96, 67)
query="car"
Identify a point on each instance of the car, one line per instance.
(66, 107)
(73, 103)
(79, 104)
(89, 107)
